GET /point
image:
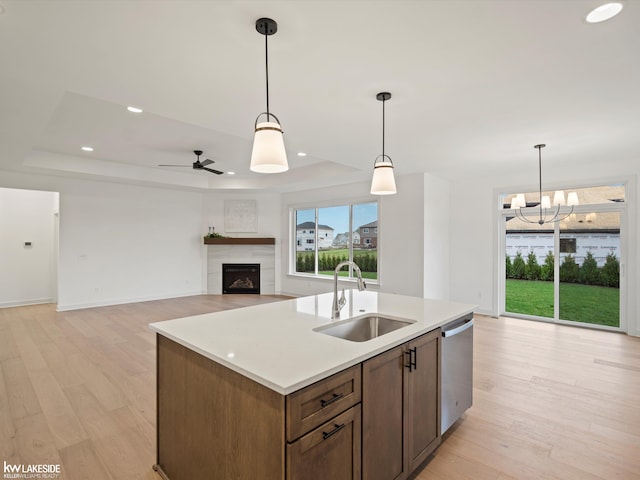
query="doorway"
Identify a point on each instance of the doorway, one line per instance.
(28, 247)
(566, 271)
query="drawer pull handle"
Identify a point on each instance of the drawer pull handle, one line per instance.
(326, 435)
(336, 396)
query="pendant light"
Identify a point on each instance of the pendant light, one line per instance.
(383, 181)
(543, 213)
(268, 154)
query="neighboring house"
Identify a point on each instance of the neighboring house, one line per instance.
(368, 235)
(598, 234)
(306, 236)
(342, 239)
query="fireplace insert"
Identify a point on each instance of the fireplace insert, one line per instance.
(240, 278)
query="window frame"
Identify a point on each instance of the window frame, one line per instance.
(351, 203)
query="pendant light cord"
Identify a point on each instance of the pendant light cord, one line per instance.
(266, 57)
(540, 176)
(383, 157)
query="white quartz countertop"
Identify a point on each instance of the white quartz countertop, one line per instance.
(275, 344)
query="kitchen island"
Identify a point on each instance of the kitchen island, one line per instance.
(257, 392)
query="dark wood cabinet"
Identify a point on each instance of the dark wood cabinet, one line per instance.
(423, 399)
(400, 414)
(331, 451)
(383, 419)
(377, 420)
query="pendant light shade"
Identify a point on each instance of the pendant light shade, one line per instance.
(383, 181)
(268, 154)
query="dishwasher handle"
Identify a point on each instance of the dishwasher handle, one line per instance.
(457, 330)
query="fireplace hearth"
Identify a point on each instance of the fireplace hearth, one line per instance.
(241, 278)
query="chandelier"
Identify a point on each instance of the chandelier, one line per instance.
(543, 212)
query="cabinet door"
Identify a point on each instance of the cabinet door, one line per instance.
(423, 398)
(383, 420)
(330, 452)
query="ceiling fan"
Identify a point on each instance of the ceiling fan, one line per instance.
(198, 165)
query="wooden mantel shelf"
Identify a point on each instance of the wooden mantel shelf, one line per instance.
(240, 241)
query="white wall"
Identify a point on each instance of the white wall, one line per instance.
(123, 243)
(472, 243)
(400, 256)
(436, 238)
(268, 211)
(27, 271)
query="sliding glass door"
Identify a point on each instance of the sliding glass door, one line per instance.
(589, 286)
(566, 271)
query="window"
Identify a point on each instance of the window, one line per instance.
(326, 236)
(567, 245)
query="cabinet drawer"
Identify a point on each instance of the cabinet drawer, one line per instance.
(331, 451)
(317, 403)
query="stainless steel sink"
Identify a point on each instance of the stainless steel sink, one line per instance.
(361, 329)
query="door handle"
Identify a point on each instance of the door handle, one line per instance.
(413, 359)
(410, 364)
(457, 330)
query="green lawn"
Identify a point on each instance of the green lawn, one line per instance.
(344, 252)
(345, 273)
(582, 303)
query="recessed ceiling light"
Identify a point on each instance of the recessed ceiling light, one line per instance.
(134, 109)
(302, 154)
(87, 149)
(604, 12)
(231, 173)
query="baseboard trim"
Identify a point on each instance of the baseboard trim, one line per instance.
(24, 303)
(121, 301)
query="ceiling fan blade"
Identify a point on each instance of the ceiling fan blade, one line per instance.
(206, 162)
(174, 165)
(217, 172)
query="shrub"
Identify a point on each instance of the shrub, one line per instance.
(518, 267)
(610, 273)
(366, 261)
(304, 263)
(569, 270)
(508, 267)
(589, 272)
(532, 269)
(546, 271)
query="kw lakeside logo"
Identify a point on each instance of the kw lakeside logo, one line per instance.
(38, 470)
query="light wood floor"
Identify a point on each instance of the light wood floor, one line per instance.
(550, 402)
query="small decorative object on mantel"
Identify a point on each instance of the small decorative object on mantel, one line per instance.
(212, 234)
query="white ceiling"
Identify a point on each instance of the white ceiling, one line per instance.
(475, 85)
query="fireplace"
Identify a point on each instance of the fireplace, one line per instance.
(240, 278)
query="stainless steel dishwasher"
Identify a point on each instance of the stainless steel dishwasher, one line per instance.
(457, 370)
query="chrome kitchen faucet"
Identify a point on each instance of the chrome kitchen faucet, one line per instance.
(338, 304)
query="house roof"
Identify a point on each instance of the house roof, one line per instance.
(369, 225)
(307, 225)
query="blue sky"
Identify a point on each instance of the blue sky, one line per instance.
(338, 217)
